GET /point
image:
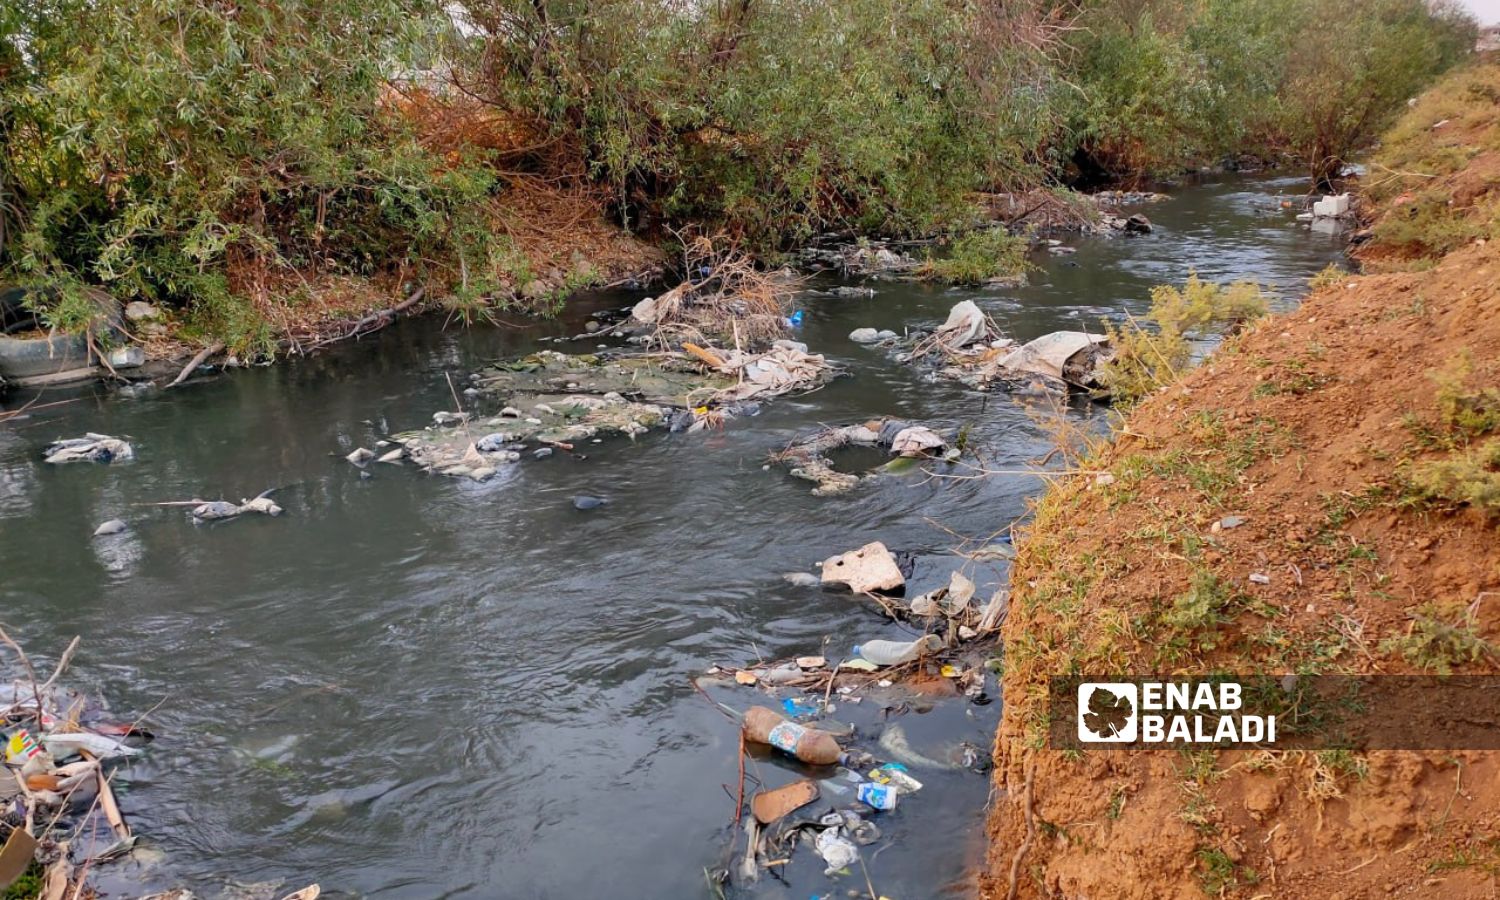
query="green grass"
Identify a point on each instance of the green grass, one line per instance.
(1218, 874)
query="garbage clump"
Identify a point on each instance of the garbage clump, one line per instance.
(1068, 358)
(808, 458)
(968, 348)
(724, 297)
(862, 258)
(217, 510)
(868, 569)
(853, 784)
(555, 400)
(99, 448)
(59, 750)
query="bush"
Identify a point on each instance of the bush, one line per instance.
(1146, 360)
(1470, 477)
(778, 119)
(978, 257)
(192, 153)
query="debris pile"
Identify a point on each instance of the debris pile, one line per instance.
(847, 780)
(807, 458)
(1125, 198)
(57, 801)
(968, 349)
(863, 258)
(99, 448)
(785, 368)
(725, 297)
(551, 401)
(1135, 223)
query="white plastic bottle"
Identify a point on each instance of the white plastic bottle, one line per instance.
(894, 653)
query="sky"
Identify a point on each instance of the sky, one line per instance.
(1488, 11)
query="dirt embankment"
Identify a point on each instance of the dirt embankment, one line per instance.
(1359, 439)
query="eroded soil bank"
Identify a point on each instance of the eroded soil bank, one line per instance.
(1355, 438)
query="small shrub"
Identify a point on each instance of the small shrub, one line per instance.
(1429, 226)
(1438, 639)
(978, 257)
(1331, 275)
(1468, 413)
(1469, 478)
(1147, 360)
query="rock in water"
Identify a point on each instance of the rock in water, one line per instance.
(864, 335)
(584, 501)
(113, 526)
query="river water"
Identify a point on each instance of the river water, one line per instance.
(412, 687)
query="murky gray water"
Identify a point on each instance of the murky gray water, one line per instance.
(413, 687)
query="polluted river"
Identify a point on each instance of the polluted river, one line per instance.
(410, 686)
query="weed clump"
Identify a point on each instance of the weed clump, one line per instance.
(1469, 478)
(978, 257)
(1147, 360)
(1440, 638)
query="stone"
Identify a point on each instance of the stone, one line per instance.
(864, 335)
(801, 579)
(591, 326)
(1138, 224)
(392, 456)
(541, 452)
(585, 502)
(128, 357)
(482, 473)
(492, 443)
(359, 456)
(113, 526)
(887, 335)
(141, 311)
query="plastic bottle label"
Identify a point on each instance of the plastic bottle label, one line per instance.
(879, 796)
(785, 737)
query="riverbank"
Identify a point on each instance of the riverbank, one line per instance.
(408, 684)
(1342, 454)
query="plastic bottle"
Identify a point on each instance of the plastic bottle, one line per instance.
(765, 726)
(894, 653)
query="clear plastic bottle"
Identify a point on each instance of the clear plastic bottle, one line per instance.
(894, 653)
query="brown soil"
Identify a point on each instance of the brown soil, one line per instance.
(1309, 426)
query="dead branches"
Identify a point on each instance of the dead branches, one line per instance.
(724, 296)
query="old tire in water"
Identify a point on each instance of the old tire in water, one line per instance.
(23, 358)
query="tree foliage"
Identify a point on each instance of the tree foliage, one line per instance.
(178, 150)
(204, 153)
(780, 117)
